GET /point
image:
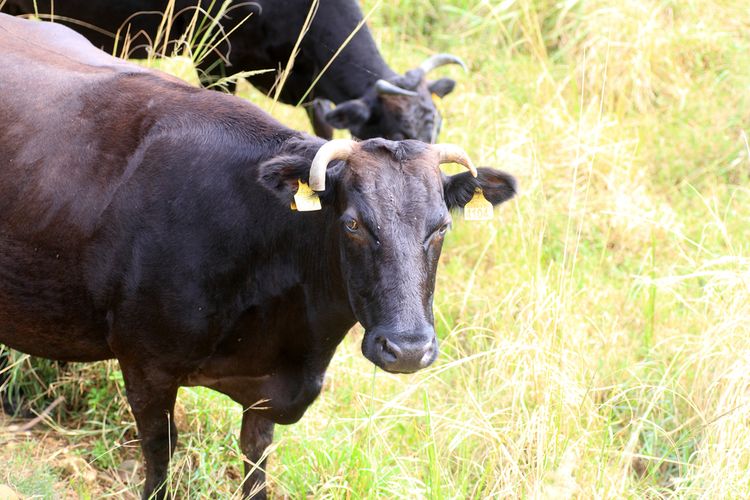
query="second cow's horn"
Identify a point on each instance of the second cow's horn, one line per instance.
(384, 87)
(441, 60)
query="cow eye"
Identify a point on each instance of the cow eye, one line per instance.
(351, 225)
(436, 236)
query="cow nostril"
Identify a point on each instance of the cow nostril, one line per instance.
(428, 355)
(390, 351)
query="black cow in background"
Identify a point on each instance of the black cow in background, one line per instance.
(372, 100)
(149, 221)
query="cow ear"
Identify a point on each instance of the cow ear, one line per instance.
(441, 87)
(281, 176)
(497, 186)
(348, 114)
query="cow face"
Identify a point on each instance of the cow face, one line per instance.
(400, 107)
(403, 110)
(389, 205)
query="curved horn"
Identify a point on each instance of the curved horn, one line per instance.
(384, 87)
(450, 153)
(337, 149)
(441, 60)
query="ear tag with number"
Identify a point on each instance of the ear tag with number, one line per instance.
(306, 200)
(478, 207)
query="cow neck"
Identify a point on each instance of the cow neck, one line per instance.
(357, 67)
(313, 246)
(321, 260)
(350, 78)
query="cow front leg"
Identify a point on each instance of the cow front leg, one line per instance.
(152, 398)
(256, 435)
(8, 405)
(316, 112)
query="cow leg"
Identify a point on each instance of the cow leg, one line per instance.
(13, 402)
(152, 397)
(7, 404)
(256, 435)
(316, 112)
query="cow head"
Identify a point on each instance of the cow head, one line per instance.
(399, 108)
(390, 207)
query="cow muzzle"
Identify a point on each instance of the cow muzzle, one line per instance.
(400, 352)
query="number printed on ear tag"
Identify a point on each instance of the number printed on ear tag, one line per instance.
(306, 200)
(478, 207)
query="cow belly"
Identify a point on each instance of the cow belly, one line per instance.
(44, 308)
(52, 339)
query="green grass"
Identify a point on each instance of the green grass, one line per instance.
(594, 338)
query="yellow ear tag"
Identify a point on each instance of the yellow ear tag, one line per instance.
(478, 207)
(306, 200)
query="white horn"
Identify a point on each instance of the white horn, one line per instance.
(384, 87)
(441, 60)
(337, 149)
(450, 153)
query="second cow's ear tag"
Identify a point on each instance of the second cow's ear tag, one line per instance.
(305, 200)
(478, 207)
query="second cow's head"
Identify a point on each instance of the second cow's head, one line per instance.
(399, 108)
(388, 208)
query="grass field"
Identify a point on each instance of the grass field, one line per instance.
(595, 337)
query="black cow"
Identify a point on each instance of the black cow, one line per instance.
(372, 100)
(149, 221)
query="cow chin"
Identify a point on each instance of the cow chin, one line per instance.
(400, 352)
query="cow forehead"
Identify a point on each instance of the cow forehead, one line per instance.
(399, 105)
(378, 160)
(389, 174)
